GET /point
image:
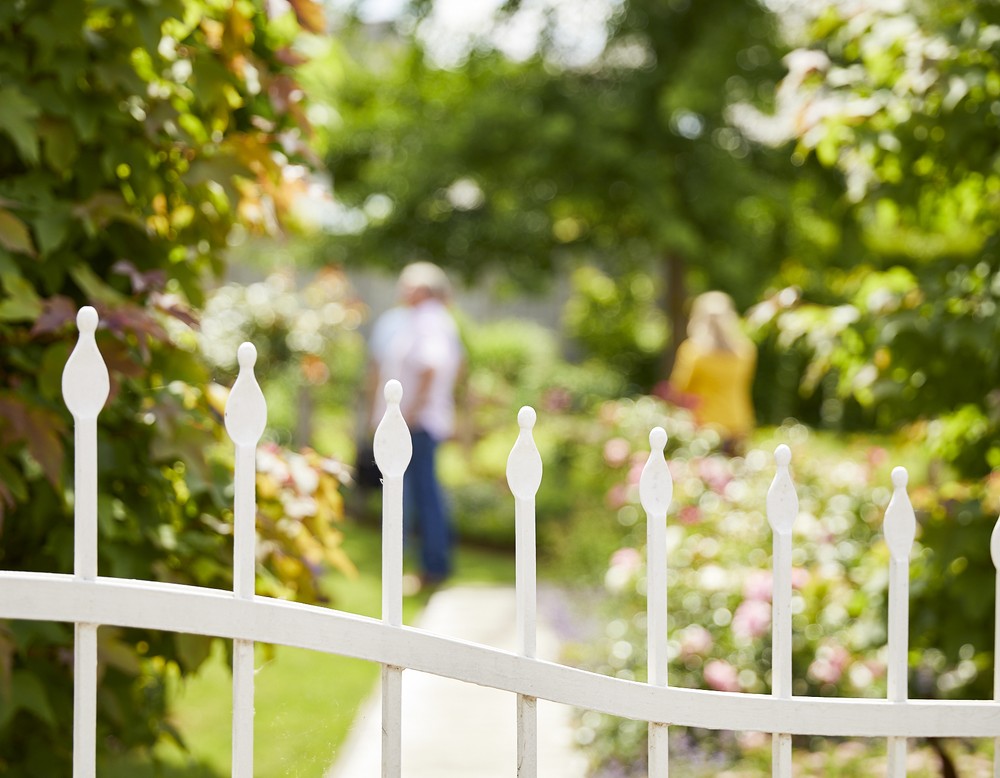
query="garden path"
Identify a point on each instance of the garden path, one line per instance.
(456, 730)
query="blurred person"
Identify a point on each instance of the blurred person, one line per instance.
(714, 370)
(418, 344)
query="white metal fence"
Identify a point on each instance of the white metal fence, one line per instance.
(89, 601)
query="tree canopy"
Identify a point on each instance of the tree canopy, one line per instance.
(138, 139)
(519, 162)
(902, 102)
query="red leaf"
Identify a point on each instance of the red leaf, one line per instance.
(290, 57)
(40, 430)
(134, 320)
(172, 305)
(57, 312)
(153, 280)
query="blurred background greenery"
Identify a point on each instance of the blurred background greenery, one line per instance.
(210, 171)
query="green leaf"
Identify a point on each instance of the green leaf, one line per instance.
(26, 693)
(51, 227)
(22, 303)
(59, 145)
(192, 650)
(12, 479)
(92, 286)
(14, 235)
(17, 121)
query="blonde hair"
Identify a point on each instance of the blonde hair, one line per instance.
(714, 324)
(425, 275)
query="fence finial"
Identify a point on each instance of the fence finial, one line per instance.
(524, 463)
(392, 445)
(995, 545)
(782, 501)
(900, 523)
(85, 381)
(656, 487)
(246, 409)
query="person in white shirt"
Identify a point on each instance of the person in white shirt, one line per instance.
(420, 347)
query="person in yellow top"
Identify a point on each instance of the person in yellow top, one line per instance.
(714, 369)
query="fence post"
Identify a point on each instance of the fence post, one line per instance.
(393, 449)
(782, 508)
(995, 554)
(524, 476)
(246, 417)
(899, 528)
(85, 388)
(656, 489)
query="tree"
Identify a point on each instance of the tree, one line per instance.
(901, 102)
(137, 139)
(521, 162)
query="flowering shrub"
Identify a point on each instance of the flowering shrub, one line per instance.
(719, 581)
(310, 353)
(299, 510)
(283, 321)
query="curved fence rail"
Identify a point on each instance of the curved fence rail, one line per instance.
(89, 601)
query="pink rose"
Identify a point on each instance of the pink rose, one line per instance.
(829, 664)
(695, 641)
(616, 452)
(752, 619)
(721, 676)
(759, 586)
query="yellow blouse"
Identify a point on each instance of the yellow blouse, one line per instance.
(720, 381)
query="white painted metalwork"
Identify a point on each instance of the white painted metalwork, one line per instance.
(87, 601)
(85, 387)
(393, 449)
(995, 556)
(782, 508)
(246, 418)
(524, 476)
(656, 490)
(899, 528)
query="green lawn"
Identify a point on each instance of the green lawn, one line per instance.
(305, 701)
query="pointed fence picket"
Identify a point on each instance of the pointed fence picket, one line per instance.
(656, 490)
(524, 476)
(88, 601)
(782, 508)
(246, 418)
(393, 449)
(899, 528)
(85, 386)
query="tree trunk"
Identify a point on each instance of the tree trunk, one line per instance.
(674, 301)
(302, 436)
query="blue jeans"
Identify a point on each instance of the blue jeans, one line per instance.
(424, 499)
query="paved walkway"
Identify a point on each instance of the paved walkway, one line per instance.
(457, 730)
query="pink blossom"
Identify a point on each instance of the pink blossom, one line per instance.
(628, 558)
(721, 676)
(625, 564)
(616, 452)
(689, 514)
(695, 640)
(829, 664)
(758, 586)
(715, 473)
(877, 457)
(635, 473)
(752, 619)
(800, 577)
(557, 399)
(617, 496)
